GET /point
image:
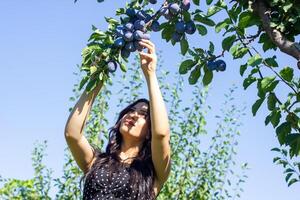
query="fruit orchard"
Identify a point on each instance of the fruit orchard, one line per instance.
(276, 24)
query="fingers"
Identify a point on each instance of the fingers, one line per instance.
(147, 55)
(148, 44)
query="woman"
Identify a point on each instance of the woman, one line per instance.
(137, 161)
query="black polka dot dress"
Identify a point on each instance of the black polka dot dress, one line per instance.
(99, 187)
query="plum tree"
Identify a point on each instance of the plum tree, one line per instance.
(277, 26)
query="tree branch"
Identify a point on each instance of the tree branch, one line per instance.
(285, 45)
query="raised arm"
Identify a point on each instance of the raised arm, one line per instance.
(160, 144)
(80, 148)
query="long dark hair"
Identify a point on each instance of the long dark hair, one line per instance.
(141, 168)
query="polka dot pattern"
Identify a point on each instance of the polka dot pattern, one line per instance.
(99, 187)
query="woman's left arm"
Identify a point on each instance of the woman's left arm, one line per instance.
(160, 144)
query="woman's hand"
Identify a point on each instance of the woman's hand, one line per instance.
(149, 59)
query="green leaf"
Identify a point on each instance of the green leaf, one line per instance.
(271, 101)
(211, 47)
(204, 20)
(208, 76)
(293, 140)
(247, 19)
(272, 62)
(288, 176)
(222, 24)
(201, 29)
(248, 81)
(255, 60)
(287, 7)
(184, 45)
(123, 67)
(83, 82)
(196, 2)
(287, 74)
(292, 181)
(186, 65)
(213, 10)
(282, 131)
(208, 2)
(289, 170)
(276, 149)
(91, 85)
(238, 52)
(275, 117)
(93, 69)
(194, 76)
(257, 105)
(275, 159)
(228, 42)
(243, 69)
(268, 84)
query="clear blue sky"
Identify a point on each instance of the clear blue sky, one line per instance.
(41, 42)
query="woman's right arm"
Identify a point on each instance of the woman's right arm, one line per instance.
(80, 148)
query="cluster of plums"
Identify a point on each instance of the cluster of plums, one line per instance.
(181, 27)
(218, 65)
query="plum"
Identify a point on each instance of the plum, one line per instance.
(148, 18)
(130, 12)
(129, 26)
(190, 27)
(141, 15)
(119, 31)
(119, 42)
(153, 1)
(138, 35)
(185, 5)
(139, 25)
(155, 26)
(174, 8)
(128, 36)
(112, 66)
(180, 27)
(221, 65)
(211, 65)
(130, 47)
(146, 36)
(125, 53)
(138, 46)
(176, 37)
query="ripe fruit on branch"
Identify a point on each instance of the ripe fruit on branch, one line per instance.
(128, 36)
(180, 27)
(176, 37)
(139, 25)
(130, 47)
(153, 1)
(130, 12)
(155, 26)
(112, 66)
(129, 26)
(185, 5)
(125, 53)
(119, 42)
(221, 65)
(174, 8)
(190, 27)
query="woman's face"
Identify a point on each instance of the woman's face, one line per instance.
(135, 124)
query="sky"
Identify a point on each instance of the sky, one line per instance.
(41, 43)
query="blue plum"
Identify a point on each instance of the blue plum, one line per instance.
(130, 47)
(174, 8)
(146, 36)
(125, 53)
(120, 31)
(153, 1)
(130, 12)
(221, 65)
(185, 5)
(129, 26)
(119, 42)
(138, 35)
(176, 37)
(190, 27)
(211, 65)
(155, 26)
(128, 36)
(141, 15)
(138, 46)
(180, 27)
(139, 25)
(112, 66)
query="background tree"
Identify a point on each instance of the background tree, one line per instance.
(204, 168)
